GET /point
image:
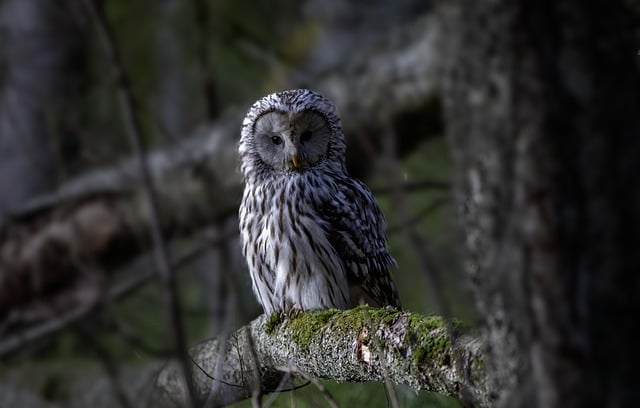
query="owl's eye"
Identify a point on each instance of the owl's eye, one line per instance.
(306, 135)
(276, 140)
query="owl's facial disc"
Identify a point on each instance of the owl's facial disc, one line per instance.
(292, 141)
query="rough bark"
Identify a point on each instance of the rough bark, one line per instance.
(101, 219)
(541, 103)
(362, 344)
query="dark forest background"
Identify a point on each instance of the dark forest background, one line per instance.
(501, 140)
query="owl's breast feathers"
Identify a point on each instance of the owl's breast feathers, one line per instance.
(318, 230)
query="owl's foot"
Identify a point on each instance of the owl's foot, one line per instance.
(294, 311)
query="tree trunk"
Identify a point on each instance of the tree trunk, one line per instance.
(541, 104)
(39, 40)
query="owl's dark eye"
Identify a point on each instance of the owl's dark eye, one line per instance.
(305, 136)
(276, 140)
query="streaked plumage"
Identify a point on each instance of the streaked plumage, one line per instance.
(313, 237)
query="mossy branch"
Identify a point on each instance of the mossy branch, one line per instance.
(361, 344)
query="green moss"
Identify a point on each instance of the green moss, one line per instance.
(478, 368)
(430, 336)
(305, 327)
(427, 332)
(273, 322)
(423, 324)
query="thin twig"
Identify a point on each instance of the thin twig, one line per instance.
(160, 249)
(48, 327)
(323, 390)
(293, 394)
(418, 246)
(223, 346)
(276, 393)
(413, 186)
(418, 216)
(135, 341)
(414, 239)
(63, 319)
(391, 393)
(208, 241)
(254, 380)
(233, 308)
(113, 373)
(233, 304)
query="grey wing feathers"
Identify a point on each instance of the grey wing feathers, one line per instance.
(357, 233)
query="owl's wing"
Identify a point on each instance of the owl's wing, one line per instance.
(356, 229)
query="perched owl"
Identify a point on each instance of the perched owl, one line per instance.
(313, 237)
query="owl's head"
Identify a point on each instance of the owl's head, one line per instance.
(291, 131)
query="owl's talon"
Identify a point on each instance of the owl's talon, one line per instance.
(294, 311)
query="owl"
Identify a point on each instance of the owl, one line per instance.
(313, 237)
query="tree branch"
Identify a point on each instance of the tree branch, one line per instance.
(361, 344)
(102, 218)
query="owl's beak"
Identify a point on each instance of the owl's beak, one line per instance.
(295, 161)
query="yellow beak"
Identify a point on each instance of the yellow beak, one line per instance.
(295, 161)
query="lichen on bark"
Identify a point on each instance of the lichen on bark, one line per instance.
(360, 344)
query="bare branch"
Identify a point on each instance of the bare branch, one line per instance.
(102, 217)
(110, 366)
(414, 186)
(323, 390)
(419, 215)
(64, 318)
(362, 344)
